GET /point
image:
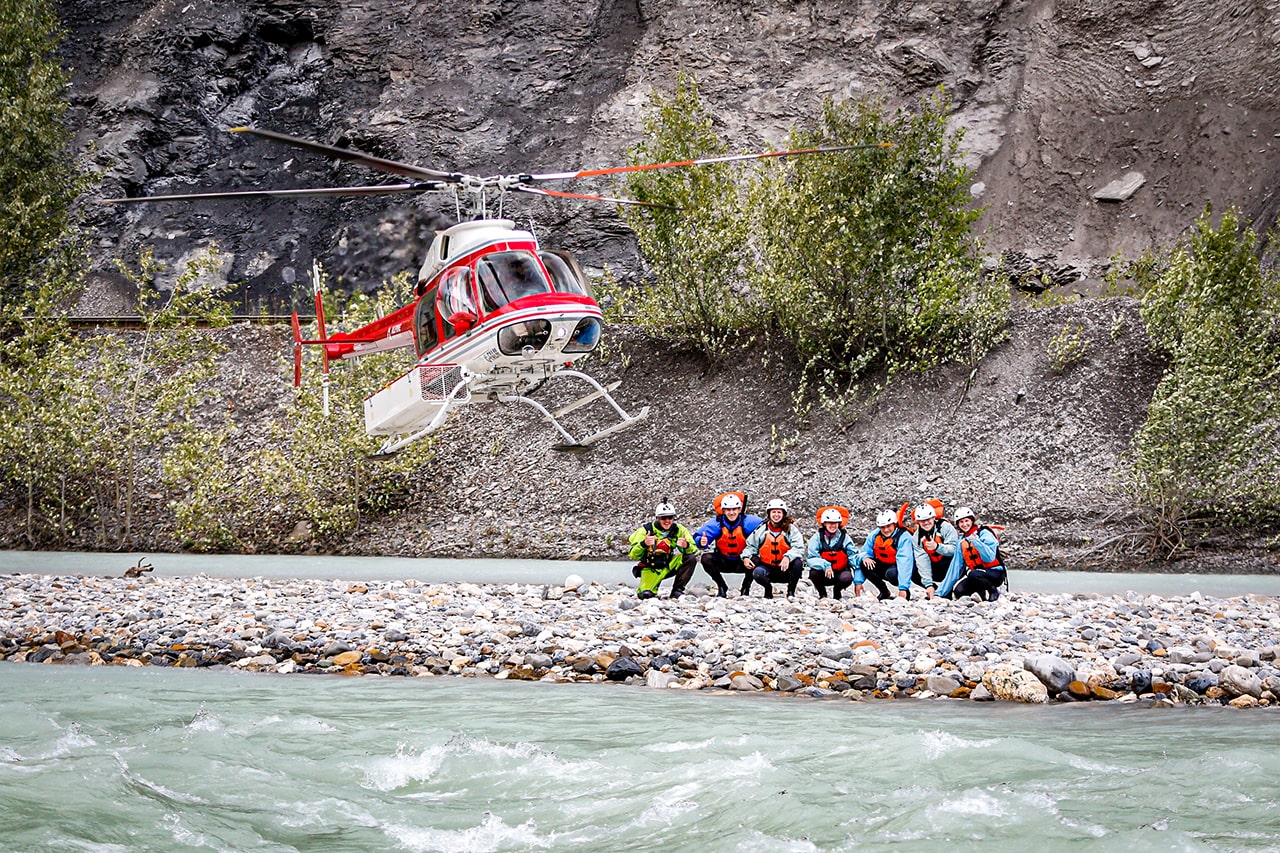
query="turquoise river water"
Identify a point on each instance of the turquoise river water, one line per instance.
(129, 759)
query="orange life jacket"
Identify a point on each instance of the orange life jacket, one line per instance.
(885, 548)
(972, 558)
(835, 554)
(930, 542)
(774, 547)
(731, 540)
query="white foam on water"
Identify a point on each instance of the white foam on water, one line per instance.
(203, 721)
(405, 766)
(979, 803)
(665, 812)
(743, 767)
(490, 835)
(9, 755)
(323, 813)
(938, 743)
(684, 745)
(69, 741)
(181, 834)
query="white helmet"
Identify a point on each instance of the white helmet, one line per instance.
(924, 512)
(730, 501)
(664, 510)
(776, 503)
(965, 512)
(831, 515)
(884, 517)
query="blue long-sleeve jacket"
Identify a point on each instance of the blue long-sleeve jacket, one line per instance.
(984, 541)
(904, 559)
(706, 535)
(795, 544)
(948, 547)
(813, 558)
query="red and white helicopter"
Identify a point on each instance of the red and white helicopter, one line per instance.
(496, 315)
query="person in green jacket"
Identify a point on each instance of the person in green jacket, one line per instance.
(663, 548)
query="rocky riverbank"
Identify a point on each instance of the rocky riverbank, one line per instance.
(1192, 650)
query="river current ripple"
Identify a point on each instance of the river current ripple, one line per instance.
(127, 759)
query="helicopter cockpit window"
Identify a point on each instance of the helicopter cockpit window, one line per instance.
(455, 298)
(424, 320)
(508, 276)
(566, 275)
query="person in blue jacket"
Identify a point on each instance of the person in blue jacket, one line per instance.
(723, 538)
(977, 567)
(936, 541)
(775, 550)
(888, 557)
(831, 554)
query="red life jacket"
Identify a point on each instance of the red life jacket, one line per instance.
(969, 552)
(774, 547)
(731, 540)
(835, 554)
(885, 548)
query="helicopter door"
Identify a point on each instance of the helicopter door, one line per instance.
(456, 304)
(424, 322)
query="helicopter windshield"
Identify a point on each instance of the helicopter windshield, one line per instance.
(565, 273)
(508, 276)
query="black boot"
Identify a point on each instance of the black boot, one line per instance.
(722, 591)
(768, 590)
(746, 584)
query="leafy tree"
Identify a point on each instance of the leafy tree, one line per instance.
(868, 257)
(38, 178)
(90, 419)
(1208, 450)
(697, 240)
(318, 468)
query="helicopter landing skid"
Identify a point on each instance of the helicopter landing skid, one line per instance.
(601, 393)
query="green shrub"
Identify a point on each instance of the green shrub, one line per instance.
(1209, 450)
(697, 241)
(1067, 348)
(868, 257)
(37, 173)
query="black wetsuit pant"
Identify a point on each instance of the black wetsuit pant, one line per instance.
(984, 582)
(839, 582)
(717, 565)
(880, 578)
(787, 572)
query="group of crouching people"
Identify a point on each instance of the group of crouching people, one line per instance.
(906, 547)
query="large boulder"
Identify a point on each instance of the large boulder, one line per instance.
(1238, 681)
(1011, 684)
(1053, 672)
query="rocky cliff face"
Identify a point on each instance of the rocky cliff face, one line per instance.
(1058, 99)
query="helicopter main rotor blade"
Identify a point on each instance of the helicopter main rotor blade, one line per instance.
(557, 194)
(377, 189)
(705, 161)
(405, 170)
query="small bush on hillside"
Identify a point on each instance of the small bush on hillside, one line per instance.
(868, 257)
(1210, 447)
(862, 259)
(697, 241)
